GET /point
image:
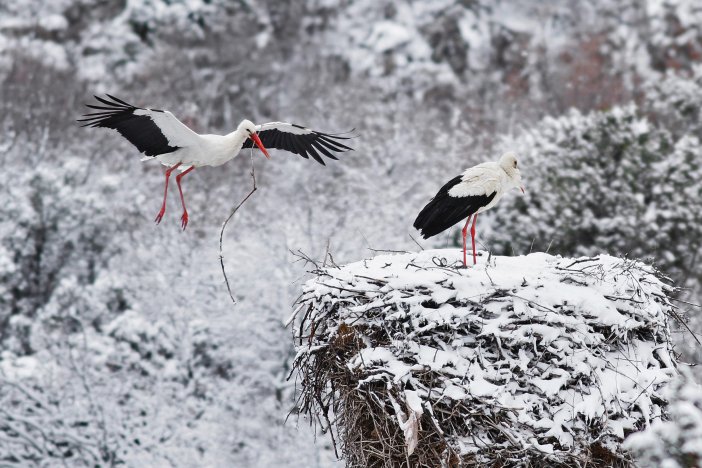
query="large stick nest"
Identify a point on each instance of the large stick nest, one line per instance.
(519, 361)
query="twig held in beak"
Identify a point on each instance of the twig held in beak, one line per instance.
(224, 225)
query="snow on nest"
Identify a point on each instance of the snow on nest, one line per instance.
(536, 355)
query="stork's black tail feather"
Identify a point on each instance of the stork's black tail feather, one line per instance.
(440, 214)
(443, 211)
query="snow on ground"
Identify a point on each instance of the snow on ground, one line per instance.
(562, 354)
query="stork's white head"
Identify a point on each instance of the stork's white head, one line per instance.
(508, 162)
(248, 128)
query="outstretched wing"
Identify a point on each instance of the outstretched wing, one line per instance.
(300, 140)
(152, 131)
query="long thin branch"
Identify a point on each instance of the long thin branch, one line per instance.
(224, 225)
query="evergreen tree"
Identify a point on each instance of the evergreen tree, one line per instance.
(605, 182)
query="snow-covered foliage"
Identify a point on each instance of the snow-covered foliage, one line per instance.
(676, 102)
(519, 360)
(674, 37)
(677, 442)
(94, 398)
(100, 38)
(418, 45)
(606, 182)
(54, 240)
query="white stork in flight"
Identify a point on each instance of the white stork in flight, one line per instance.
(478, 189)
(159, 134)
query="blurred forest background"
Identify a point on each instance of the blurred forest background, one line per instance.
(118, 342)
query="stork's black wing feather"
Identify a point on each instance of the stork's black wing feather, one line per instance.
(301, 140)
(141, 130)
(443, 211)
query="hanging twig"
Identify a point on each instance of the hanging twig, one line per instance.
(415, 241)
(682, 322)
(224, 225)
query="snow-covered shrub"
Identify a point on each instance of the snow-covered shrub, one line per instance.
(518, 361)
(100, 38)
(677, 442)
(133, 395)
(676, 102)
(47, 417)
(673, 35)
(605, 181)
(56, 234)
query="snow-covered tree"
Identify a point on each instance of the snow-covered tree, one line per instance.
(605, 182)
(676, 102)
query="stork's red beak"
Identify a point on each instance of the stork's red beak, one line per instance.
(522, 189)
(258, 142)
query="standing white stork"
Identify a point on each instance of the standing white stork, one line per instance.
(159, 134)
(478, 189)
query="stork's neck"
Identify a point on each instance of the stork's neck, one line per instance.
(234, 141)
(220, 149)
(513, 176)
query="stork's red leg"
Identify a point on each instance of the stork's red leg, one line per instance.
(184, 218)
(472, 236)
(465, 234)
(160, 214)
